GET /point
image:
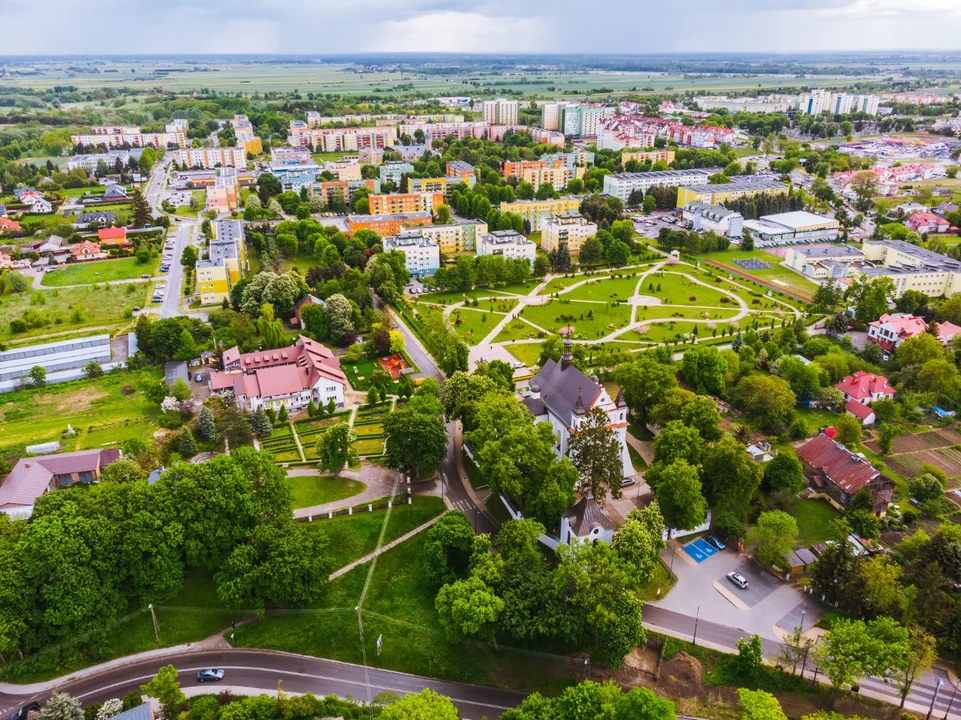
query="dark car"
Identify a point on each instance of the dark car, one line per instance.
(23, 712)
(716, 542)
(210, 675)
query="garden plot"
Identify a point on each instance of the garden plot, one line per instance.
(916, 442)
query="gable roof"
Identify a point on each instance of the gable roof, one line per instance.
(840, 466)
(862, 385)
(564, 389)
(586, 514)
(30, 476)
(859, 410)
(903, 325)
(115, 191)
(112, 233)
(8, 224)
(97, 215)
(947, 330)
(85, 247)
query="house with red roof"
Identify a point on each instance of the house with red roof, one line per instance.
(837, 474)
(32, 477)
(947, 332)
(927, 222)
(8, 224)
(889, 331)
(286, 377)
(865, 387)
(864, 413)
(113, 237)
(86, 250)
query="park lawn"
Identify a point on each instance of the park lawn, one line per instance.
(453, 296)
(308, 491)
(368, 446)
(302, 261)
(664, 330)
(99, 271)
(605, 290)
(814, 518)
(474, 325)
(678, 289)
(350, 537)
(65, 309)
(399, 607)
(358, 373)
(674, 312)
(590, 320)
(98, 410)
(527, 353)
(376, 428)
(516, 330)
(660, 581)
(327, 156)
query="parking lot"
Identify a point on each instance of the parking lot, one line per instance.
(759, 584)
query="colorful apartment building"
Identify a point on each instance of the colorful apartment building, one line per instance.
(515, 169)
(444, 185)
(225, 264)
(571, 230)
(742, 187)
(386, 225)
(652, 156)
(422, 256)
(557, 177)
(404, 202)
(343, 139)
(459, 168)
(456, 237)
(212, 157)
(535, 212)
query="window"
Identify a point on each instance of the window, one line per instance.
(64, 480)
(86, 477)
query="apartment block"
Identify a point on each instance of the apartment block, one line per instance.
(405, 202)
(501, 112)
(571, 229)
(577, 158)
(443, 185)
(508, 244)
(385, 225)
(330, 190)
(212, 157)
(129, 136)
(345, 139)
(422, 254)
(548, 137)
(742, 187)
(557, 177)
(225, 264)
(621, 185)
(535, 212)
(653, 156)
(455, 237)
(394, 171)
(516, 168)
(837, 103)
(459, 168)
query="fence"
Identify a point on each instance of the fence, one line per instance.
(368, 507)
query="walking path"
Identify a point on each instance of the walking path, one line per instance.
(300, 448)
(379, 481)
(385, 548)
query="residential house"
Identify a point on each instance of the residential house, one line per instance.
(115, 192)
(41, 206)
(563, 396)
(86, 250)
(586, 521)
(889, 331)
(865, 387)
(941, 209)
(145, 710)
(864, 413)
(50, 250)
(32, 477)
(98, 217)
(927, 222)
(8, 224)
(113, 237)
(290, 376)
(837, 474)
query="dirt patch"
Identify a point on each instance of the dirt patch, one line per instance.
(71, 403)
(929, 440)
(681, 676)
(908, 466)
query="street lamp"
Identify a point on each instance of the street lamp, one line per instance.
(937, 689)
(697, 617)
(951, 701)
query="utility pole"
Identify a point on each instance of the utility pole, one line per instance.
(697, 617)
(937, 689)
(951, 701)
(156, 625)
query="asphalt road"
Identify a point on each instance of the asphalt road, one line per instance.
(175, 278)
(263, 670)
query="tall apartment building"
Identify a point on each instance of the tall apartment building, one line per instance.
(212, 157)
(582, 120)
(552, 114)
(642, 156)
(571, 229)
(838, 103)
(444, 185)
(114, 136)
(344, 139)
(246, 139)
(621, 185)
(224, 195)
(440, 130)
(742, 187)
(556, 177)
(385, 225)
(394, 171)
(501, 111)
(457, 237)
(404, 202)
(421, 253)
(225, 264)
(535, 212)
(330, 191)
(459, 168)
(516, 168)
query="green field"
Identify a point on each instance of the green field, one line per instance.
(516, 330)
(527, 353)
(64, 309)
(100, 412)
(779, 276)
(369, 446)
(474, 325)
(605, 290)
(814, 518)
(308, 491)
(99, 271)
(590, 320)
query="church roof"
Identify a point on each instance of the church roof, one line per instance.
(586, 514)
(563, 388)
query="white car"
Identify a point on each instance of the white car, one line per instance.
(738, 579)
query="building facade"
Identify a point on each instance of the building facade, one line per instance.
(422, 254)
(621, 185)
(571, 229)
(508, 244)
(535, 212)
(225, 264)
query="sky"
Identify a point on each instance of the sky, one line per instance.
(51, 27)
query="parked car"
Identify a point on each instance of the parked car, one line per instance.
(136, 308)
(23, 712)
(517, 365)
(145, 276)
(210, 675)
(738, 579)
(716, 542)
(625, 482)
(198, 378)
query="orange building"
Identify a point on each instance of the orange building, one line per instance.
(404, 202)
(517, 168)
(459, 168)
(387, 225)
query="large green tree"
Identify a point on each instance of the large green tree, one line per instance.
(596, 453)
(729, 475)
(704, 368)
(335, 447)
(679, 496)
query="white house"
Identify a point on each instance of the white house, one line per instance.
(509, 243)
(41, 206)
(563, 396)
(586, 521)
(422, 254)
(291, 377)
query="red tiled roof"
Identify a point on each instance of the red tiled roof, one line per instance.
(905, 326)
(85, 247)
(8, 224)
(859, 410)
(112, 233)
(947, 330)
(862, 385)
(30, 476)
(838, 464)
(282, 380)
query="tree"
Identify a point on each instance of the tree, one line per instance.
(864, 186)
(416, 438)
(282, 415)
(469, 608)
(639, 542)
(447, 549)
(61, 706)
(140, 210)
(870, 296)
(180, 390)
(750, 659)
(760, 705)
(165, 688)
(92, 370)
(784, 473)
(848, 431)
(729, 476)
(335, 447)
(442, 214)
(425, 705)
(679, 496)
(704, 367)
(649, 205)
(260, 423)
(592, 251)
(853, 649)
(185, 444)
(206, 426)
(339, 317)
(767, 397)
(596, 453)
(38, 376)
(189, 256)
(677, 441)
(541, 265)
(796, 648)
(922, 652)
(618, 253)
(774, 536)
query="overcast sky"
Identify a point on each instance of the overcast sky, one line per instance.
(341, 26)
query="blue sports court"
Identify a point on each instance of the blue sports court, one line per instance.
(700, 550)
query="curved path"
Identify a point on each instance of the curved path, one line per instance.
(262, 670)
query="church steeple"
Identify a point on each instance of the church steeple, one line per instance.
(567, 359)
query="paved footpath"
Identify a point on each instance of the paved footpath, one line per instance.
(392, 544)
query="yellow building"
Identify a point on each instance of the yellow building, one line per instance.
(455, 237)
(557, 177)
(251, 144)
(720, 194)
(643, 156)
(571, 230)
(404, 202)
(444, 185)
(535, 212)
(226, 262)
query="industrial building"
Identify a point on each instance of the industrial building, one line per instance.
(798, 225)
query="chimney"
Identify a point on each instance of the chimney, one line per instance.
(567, 358)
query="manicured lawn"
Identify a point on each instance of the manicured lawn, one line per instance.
(371, 429)
(370, 446)
(449, 298)
(359, 373)
(100, 271)
(678, 289)
(64, 309)
(608, 289)
(590, 320)
(302, 261)
(474, 325)
(310, 491)
(662, 331)
(814, 519)
(661, 580)
(527, 353)
(776, 274)
(98, 410)
(516, 330)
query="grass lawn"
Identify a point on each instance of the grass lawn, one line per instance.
(590, 320)
(64, 309)
(664, 330)
(527, 353)
(98, 410)
(516, 330)
(370, 446)
(474, 325)
(661, 580)
(678, 289)
(777, 275)
(371, 429)
(608, 289)
(302, 261)
(359, 373)
(814, 519)
(309, 491)
(100, 271)
(326, 156)
(449, 298)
